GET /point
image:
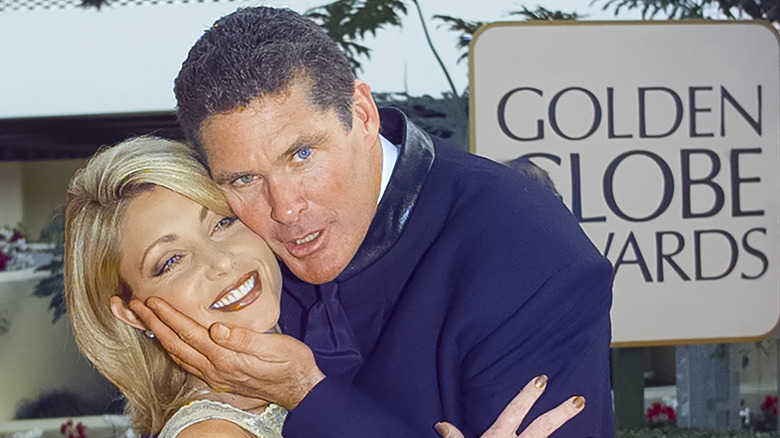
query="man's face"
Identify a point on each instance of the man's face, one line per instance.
(298, 178)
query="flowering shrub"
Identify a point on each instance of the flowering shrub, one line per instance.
(766, 420)
(769, 406)
(13, 250)
(70, 430)
(660, 415)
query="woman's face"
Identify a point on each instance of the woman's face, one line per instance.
(209, 267)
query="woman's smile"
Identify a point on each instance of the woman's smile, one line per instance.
(236, 298)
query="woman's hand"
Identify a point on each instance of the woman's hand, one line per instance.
(510, 418)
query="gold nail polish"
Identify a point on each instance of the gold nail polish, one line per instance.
(541, 381)
(578, 402)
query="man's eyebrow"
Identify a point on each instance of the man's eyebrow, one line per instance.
(164, 239)
(303, 142)
(223, 178)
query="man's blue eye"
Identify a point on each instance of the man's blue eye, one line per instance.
(244, 179)
(304, 153)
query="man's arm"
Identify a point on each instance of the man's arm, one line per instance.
(562, 330)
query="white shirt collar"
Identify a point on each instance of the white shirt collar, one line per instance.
(389, 157)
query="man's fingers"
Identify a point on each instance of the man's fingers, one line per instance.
(175, 332)
(510, 418)
(447, 430)
(552, 420)
(272, 348)
(234, 338)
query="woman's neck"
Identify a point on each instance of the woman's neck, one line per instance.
(203, 392)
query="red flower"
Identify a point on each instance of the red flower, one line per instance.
(16, 236)
(658, 413)
(4, 259)
(769, 404)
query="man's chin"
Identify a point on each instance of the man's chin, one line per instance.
(314, 274)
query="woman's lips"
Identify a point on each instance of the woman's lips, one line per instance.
(241, 294)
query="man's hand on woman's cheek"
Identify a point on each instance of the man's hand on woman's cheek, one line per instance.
(272, 367)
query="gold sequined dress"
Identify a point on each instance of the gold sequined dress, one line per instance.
(267, 424)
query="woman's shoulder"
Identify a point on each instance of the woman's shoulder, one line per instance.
(214, 427)
(203, 418)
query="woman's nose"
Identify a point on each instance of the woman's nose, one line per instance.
(219, 263)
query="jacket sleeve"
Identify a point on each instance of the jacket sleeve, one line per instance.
(339, 410)
(562, 330)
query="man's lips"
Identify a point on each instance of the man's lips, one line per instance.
(239, 295)
(304, 245)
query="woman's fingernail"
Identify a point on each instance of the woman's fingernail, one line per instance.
(541, 381)
(578, 402)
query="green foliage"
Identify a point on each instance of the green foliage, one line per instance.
(53, 286)
(768, 10)
(348, 20)
(468, 28)
(445, 117)
(541, 13)
(464, 27)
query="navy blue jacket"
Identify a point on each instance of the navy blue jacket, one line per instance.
(472, 280)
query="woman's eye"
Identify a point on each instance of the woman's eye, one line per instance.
(225, 223)
(168, 264)
(303, 153)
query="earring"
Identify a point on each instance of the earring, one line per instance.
(148, 334)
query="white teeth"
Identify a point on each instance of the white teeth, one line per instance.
(235, 294)
(307, 239)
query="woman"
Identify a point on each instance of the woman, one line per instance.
(144, 219)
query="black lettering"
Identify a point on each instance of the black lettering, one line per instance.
(737, 181)
(688, 182)
(694, 109)
(662, 256)
(552, 113)
(678, 114)
(611, 116)
(608, 186)
(697, 236)
(576, 192)
(502, 116)
(608, 246)
(726, 96)
(639, 260)
(752, 250)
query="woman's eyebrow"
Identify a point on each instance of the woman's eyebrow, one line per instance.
(203, 212)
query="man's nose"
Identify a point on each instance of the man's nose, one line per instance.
(286, 201)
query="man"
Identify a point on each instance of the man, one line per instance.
(429, 283)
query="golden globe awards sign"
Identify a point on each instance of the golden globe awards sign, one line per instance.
(663, 139)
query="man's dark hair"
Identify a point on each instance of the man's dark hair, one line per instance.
(257, 52)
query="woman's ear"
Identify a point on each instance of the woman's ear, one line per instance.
(123, 313)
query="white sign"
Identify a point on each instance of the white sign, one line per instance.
(664, 140)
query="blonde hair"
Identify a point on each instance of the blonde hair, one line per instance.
(98, 195)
